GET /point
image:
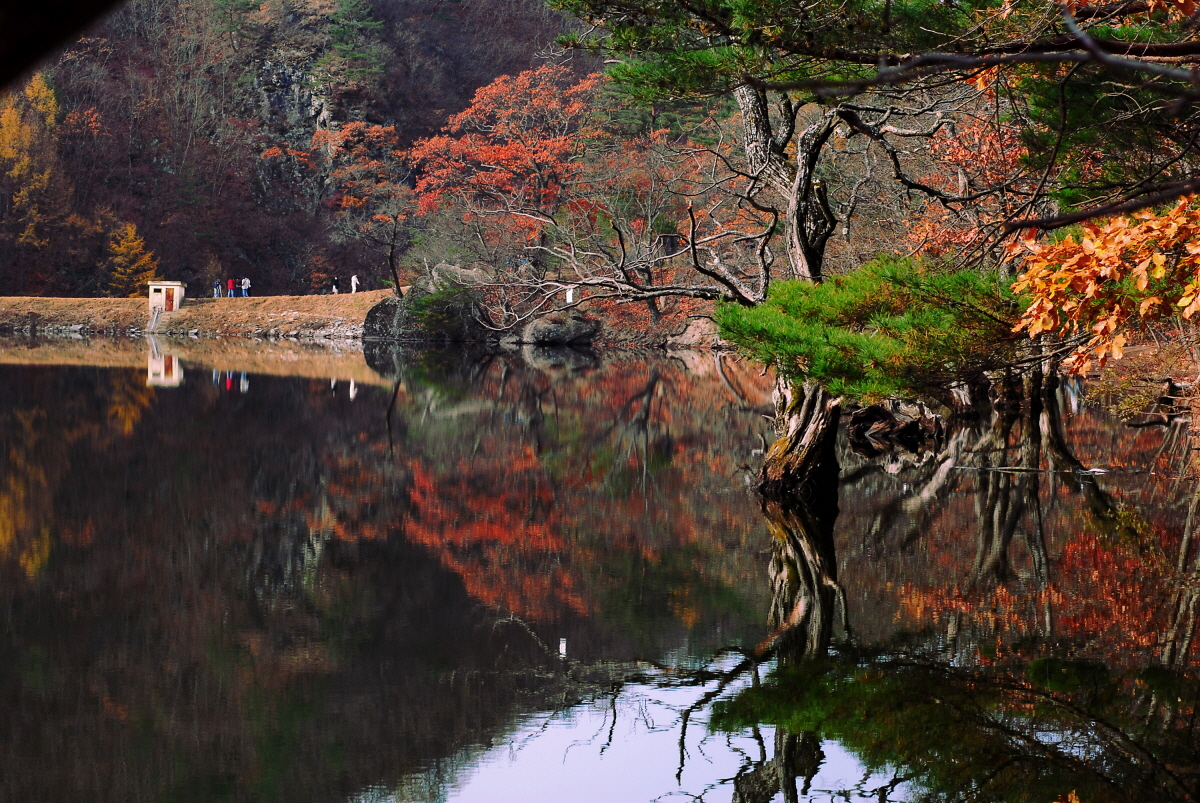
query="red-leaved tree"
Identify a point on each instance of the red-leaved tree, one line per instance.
(507, 158)
(357, 173)
(566, 210)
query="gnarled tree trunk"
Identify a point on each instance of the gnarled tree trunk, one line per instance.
(808, 219)
(805, 594)
(798, 485)
(806, 418)
(797, 755)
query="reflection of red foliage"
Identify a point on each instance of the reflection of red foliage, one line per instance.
(631, 469)
(1116, 595)
(1107, 598)
(352, 492)
(501, 540)
(998, 610)
(1110, 575)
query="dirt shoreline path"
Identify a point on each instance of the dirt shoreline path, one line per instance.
(329, 317)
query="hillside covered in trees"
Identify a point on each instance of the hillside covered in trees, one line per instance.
(605, 153)
(159, 116)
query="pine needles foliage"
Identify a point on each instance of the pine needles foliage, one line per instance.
(130, 266)
(907, 717)
(355, 51)
(894, 327)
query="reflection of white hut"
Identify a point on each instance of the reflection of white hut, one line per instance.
(167, 296)
(162, 370)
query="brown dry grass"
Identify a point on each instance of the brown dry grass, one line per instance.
(212, 317)
(301, 315)
(95, 314)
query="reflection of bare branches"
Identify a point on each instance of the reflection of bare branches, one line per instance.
(390, 411)
(1181, 632)
(513, 619)
(1126, 750)
(739, 394)
(805, 590)
(1077, 478)
(724, 680)
(931, 486)
(1004, 495)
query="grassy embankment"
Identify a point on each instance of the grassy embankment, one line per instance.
(279, 316)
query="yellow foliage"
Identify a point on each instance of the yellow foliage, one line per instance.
(14, 134)
(127, 402)
(129, 264)
(12, 517)
(35, 556)
(1116, 274)
(42, 100)
(30, 161)
(20, 485)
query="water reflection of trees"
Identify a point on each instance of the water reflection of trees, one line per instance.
(974, 733)
(984, 709)
(531, 475)
(806, 604)
(261, 629)
(227, 595)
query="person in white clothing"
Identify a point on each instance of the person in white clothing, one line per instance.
(246, 287)
(354, 283)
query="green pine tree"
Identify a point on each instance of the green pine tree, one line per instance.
(355, 52)
(130, 265)
(234, 18)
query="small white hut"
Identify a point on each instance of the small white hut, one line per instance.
(166, 296)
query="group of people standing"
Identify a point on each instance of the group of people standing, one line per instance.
(353, 284)
(232, 287)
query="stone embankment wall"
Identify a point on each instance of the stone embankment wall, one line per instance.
(331, 317)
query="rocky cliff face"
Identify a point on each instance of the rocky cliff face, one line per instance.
(426, 62)
(290, 104)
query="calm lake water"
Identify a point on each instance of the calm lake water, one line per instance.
(543, 577)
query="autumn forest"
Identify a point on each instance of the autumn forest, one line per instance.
(588, 153)
(750, 400)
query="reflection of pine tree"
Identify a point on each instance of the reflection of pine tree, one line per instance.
(129, 264)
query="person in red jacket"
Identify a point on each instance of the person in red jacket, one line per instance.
(229, 286)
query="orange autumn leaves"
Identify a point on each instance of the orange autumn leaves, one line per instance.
(535, 165)
(1111, 276)
(516, 146)
(629, 471)
(1110, 596)
(506, 546)
(977, 153)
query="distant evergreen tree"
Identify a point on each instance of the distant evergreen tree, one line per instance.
(130, 265)
(355, 51)
(233, 18)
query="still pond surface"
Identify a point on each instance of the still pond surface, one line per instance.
(543, 577)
